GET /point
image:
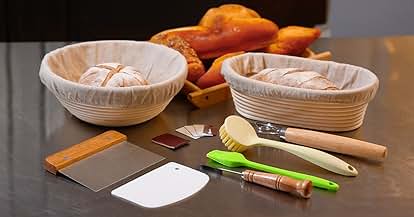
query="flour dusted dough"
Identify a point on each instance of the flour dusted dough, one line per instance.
(112, 75)
(295, 77)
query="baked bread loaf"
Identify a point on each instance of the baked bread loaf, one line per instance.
(213, 76)
(226, 29)
(195, 66)
(293, 40)
(112, 75)
(294, 77)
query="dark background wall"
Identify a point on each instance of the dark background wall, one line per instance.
(77, 20)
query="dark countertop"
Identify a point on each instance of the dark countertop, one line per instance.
(33, 124)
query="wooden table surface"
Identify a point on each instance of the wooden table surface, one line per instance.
(33, 124)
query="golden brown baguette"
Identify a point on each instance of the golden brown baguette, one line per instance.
(293, 40)
(213, 76)
(226, 11)
(227, 29)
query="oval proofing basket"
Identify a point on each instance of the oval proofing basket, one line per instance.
(327, 110)
(164, 68)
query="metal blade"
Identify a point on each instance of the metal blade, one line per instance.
(266, 128)
(219, 169)
(111, 165)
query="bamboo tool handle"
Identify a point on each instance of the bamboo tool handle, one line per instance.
(334, 143)
(281, 183)
(66, 157)
(320, 158)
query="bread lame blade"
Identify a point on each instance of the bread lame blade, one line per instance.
(219, 170)
(282, 183)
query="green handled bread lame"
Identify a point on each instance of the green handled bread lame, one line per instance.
(235, 159)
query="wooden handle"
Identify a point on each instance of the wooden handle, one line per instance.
(282, 183)
(189, 87)
(210, 96)
(334, 143)
(66, 157)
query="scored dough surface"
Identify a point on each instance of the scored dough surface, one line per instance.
(112, 75)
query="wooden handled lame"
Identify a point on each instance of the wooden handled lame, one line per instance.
(334, 143)
(57, 161)
(301, 188)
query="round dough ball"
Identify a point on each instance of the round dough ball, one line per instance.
(112, 75)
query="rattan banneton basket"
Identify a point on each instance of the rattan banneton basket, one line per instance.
(328, 110)
(164, 68)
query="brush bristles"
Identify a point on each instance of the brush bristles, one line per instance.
(229, 142)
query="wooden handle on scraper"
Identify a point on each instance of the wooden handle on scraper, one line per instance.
(57, 161)
(334, 143)
(300, 188)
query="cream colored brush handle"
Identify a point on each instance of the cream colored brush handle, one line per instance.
(314, 156)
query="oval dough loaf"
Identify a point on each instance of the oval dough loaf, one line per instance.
(294, 77)
(112, 75)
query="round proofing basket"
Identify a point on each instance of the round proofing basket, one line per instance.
(164, 68)
(327, 110)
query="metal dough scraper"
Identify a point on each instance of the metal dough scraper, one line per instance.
(101, 161)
